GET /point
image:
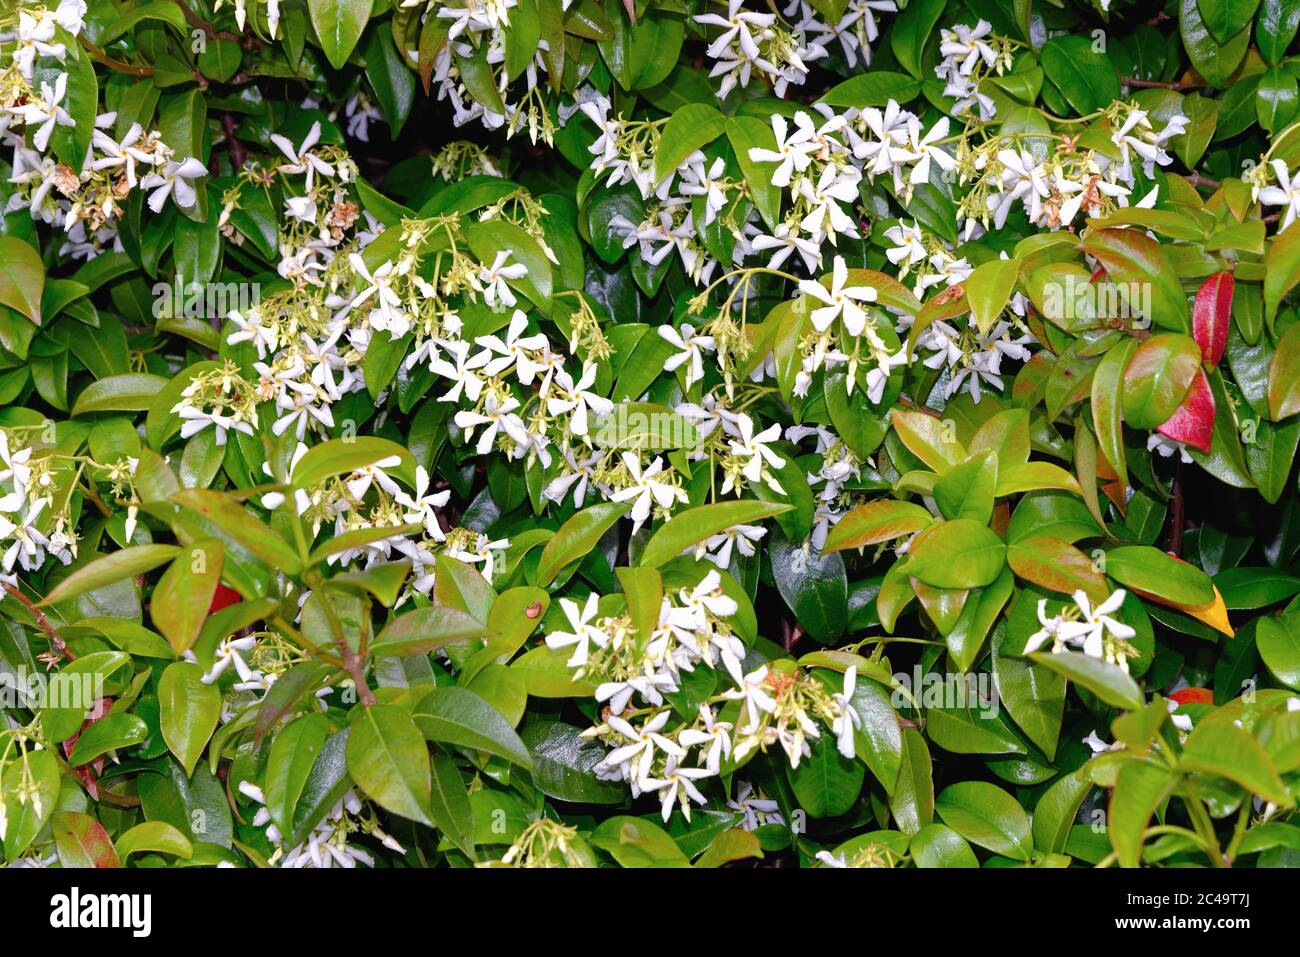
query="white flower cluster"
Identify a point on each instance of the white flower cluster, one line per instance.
(1092, 630)
(328, 843)
(85, 198)
(651, 747)
(32, 525)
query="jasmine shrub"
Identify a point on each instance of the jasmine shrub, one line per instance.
(832, 433)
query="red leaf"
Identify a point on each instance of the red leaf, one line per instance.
(1193, 696)
(1210, 315)
(223, 597)
(1193, 421)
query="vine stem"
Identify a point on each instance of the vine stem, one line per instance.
(56, 640)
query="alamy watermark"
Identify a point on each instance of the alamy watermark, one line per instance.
(1070, 298)
(203, 300)
(947, 690)
(34, 689)
(646, 427)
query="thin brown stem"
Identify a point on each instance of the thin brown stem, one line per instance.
(236, 149)
(99, 56)
(1134, 82)
(1177, 514)
(56, 641)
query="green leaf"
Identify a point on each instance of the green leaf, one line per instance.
(1150, 570)
(912, 29)
(1284, 376)
(988, 816)
(233, 520)
(1158, 378)
(563, 761)
(450, 805)
(339, 25)
(1107, 416)
(1134, 261)
(1084, 76)
(928, 438)
(1034, 697)
(967, 490)
(814, 586)
(636, 842)
(188, 711)
(107, 569)
(876, 88)
(61, 720)
(1220, 747)
(577, 537)
(1224, 19)
(957, 554)
(688, 129)
(1053, 564)
(132, 392)
(1278, 641)
(1215, 59)
(826, 783)
(107, 734)
(746, 133)
(989, 289)
(426, 629)
(458, 716)
(288, 767)
(82, 841)
(157, 836)
(1055, 811)
(390, 78)
(389, 761)
(184, 593)
(937, 845)
(1103, 679)
(344, 456)
(25, 819)
(1140, 787)
(912, 800)
(22, 277)
(694, 525)
(880, 521)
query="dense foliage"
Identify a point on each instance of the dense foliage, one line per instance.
(669, 432)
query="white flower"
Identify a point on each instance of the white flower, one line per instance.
(584, 633)
(677, 784)
(692, 349)
(176, 180)
(841, 300)
(847, 720)
(754, 449)
(421, 507)
(714, 733)
(1286, 194)
(497, 415)
(1099, 623)
(644, 743)
(302, 160)
(494, 279)
(45, 112)
(706, 183)
(755, 699)
(515, 350)
(963, 47)
(785, 239)
(575, 399)
(792, 154)
(647, 489)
